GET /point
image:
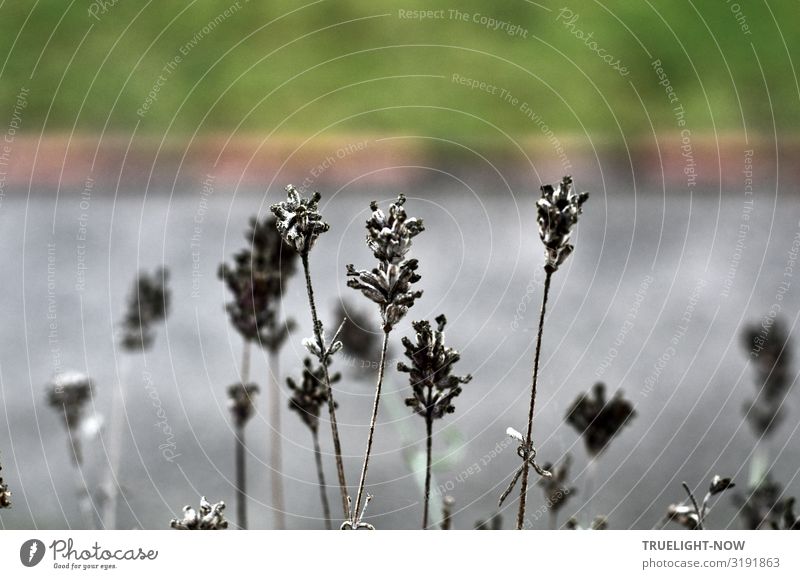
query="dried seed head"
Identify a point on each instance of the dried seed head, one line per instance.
(5, 494)
(719, 484)
(241, 403)
(683, 515)
(68, 393)
(148, 303)
(299, 221)
(311, 394)
(556, 487)
(389, 284)
(597, 420)
(208, 518)
(558, 211)
(434, 386)
(256, 281)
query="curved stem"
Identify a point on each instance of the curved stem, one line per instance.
(326, 509)
(694, 504)
(372, 422)
(276, 440)
(428, 446)
(241, 479)
(337, 447)
(528, 437)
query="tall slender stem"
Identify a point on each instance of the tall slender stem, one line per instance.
(372, 423)
(323, 493)
(529, 436)
(276, 442)
(428, 448)
(337, 447)
(84, 498)
(695, 505)
(241, 479)
(111, 485)
(245, 369)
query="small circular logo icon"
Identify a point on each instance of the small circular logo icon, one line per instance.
(32, 552)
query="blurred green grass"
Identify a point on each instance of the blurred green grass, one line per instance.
(348, 66)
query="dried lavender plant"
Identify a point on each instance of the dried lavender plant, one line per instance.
(558, 210)
(148, 304)
(242, 407)
(5, 494)
(307, 399)
(692, 515)
(388, 285)
(67, 394)
(208, 518)
(300, 224)
(256, 280)
(434, 387)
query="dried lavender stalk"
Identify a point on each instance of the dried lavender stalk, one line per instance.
(240, 403)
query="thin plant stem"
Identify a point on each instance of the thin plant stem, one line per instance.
(694, 504)
(241, 479)
(245, 369)
(276, 442)
(337, 446)
(372, 422)
(326, 509)
(529, 436)
(428, 448)
(84, 498)
(111, 485)
(590, 479)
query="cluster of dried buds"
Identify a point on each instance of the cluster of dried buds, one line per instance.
(148, 303)
(598, 420)
(310, 395)
(389, 285)
(68, 393)
(298, 220)
(256, 281)
(599, 523)
(5, 494)
(208, 518)
(241, 403)
(430, 373)
(558, 211)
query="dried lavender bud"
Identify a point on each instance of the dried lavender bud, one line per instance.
(148, 303)
(256, 281)
(5, 494)
(556, 487)
(493, 523)
(761, 507)
(311, 394)
(312, 345)
(719, 484)
(240, 402)
(299, 221)
(683, 515)
(599, 523)
(434, 387)
(389, 285)
(770, 350)
(68, 393)
(558, 209)
(598, 421)
(209, 518)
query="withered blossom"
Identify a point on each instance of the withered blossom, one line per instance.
(598, 420)
(558, 211)
(692, 516)
(770, 351)
(208, 518)
(433, 384)
(389, 285)
(241, 402)
(298, 220)
(148, 303)
(256, 280)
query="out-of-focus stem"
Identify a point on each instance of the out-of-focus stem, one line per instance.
(276, 442)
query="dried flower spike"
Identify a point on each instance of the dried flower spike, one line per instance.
(5, 494)
(240, 402)
(433, 385)
(68, 393)
(209, 518)
(599, 420)
(299, 220)
(558, 209)
(389, 285)
(148, 303)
